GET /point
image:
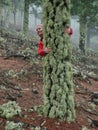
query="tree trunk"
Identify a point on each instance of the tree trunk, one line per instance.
(1, 13)
(88, 37)
(14, 13)
(83, 32)
(26, 16)
(58, 79)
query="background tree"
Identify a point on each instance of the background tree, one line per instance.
(87, 12)
(6, 8)
(1, 5)
(26, 16)
(17, 5)
(58, 81)
(26, 12)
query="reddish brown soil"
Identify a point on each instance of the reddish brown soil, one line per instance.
(26, 98)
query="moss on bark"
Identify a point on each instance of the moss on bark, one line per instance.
(58, 79)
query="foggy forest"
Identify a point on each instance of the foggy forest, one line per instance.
(57, 89)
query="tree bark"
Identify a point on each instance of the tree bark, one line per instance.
(57, 72)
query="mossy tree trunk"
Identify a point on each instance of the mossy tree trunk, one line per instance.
(83, 34)
(58, 79)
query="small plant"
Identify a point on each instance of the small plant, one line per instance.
(10, 109)
(10, 125)
(10, 73)
(84, 128)
(92, 106)
(17, 75)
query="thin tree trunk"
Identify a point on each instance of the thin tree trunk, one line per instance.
(88, 37)
(14, 12)
(1, 13)
(58, 79)
(83, 34)
(26, 16)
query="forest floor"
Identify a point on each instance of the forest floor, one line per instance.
(25, 87)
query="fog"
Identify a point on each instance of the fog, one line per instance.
(35, 18)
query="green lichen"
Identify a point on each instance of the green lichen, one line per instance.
(10, 125)
(10, 109)
(57, 72)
